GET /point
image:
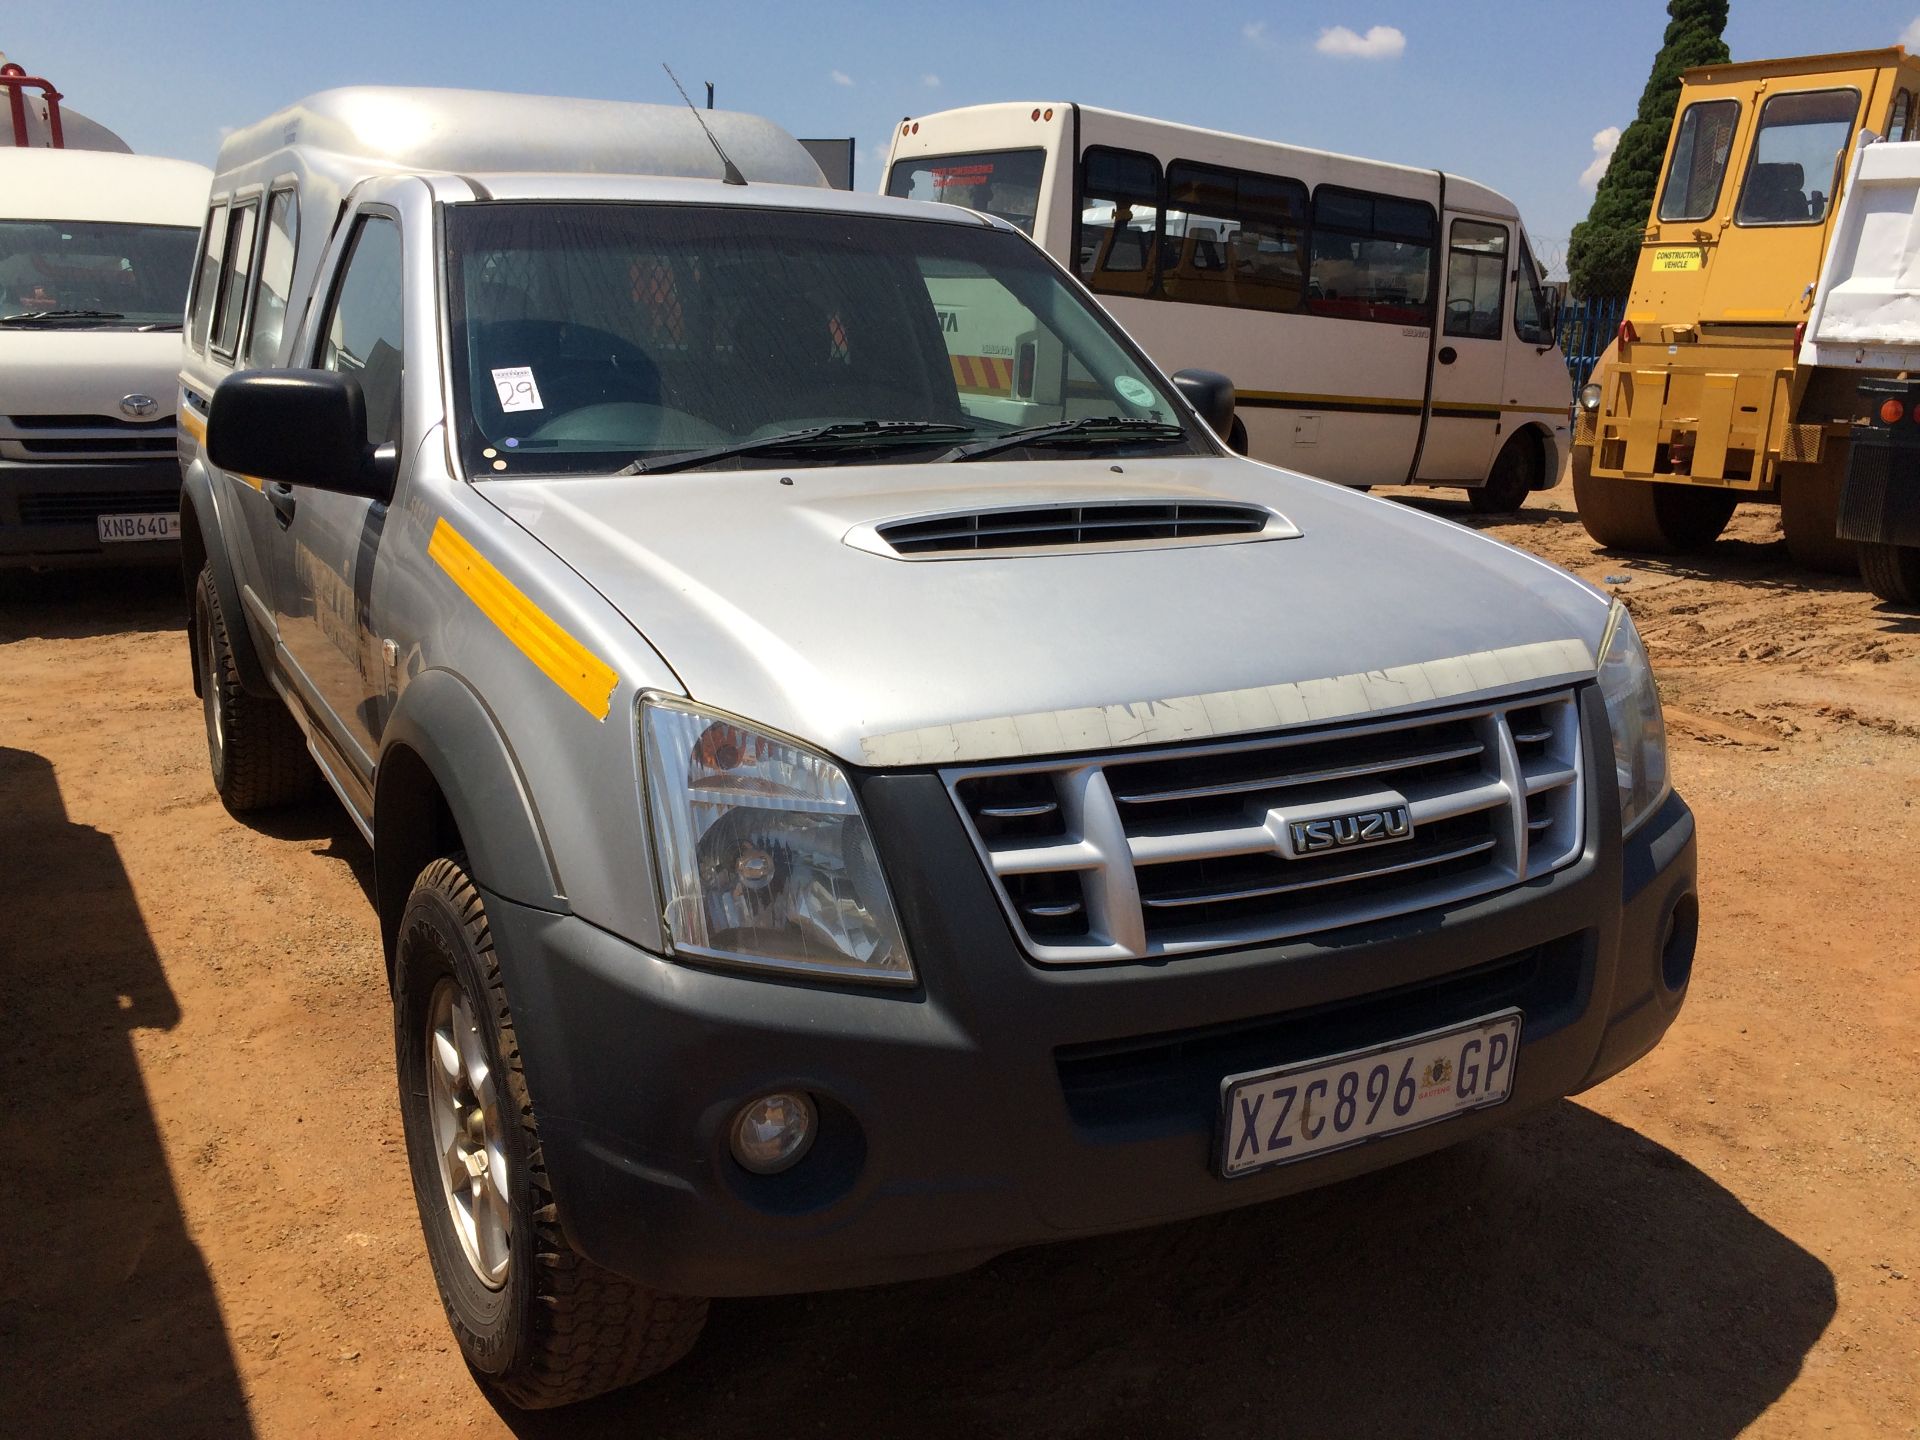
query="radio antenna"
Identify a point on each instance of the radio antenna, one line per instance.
(731, 175)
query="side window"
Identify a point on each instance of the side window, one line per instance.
(1532, 315)
(1234, 238)
(1798, 148)
(206, 285)
(1119, 221)
(1476, 279)
(362, 335)
(1900, 124)
(1372, 257)
(267, 326)
(1699, 164)
(233, 284)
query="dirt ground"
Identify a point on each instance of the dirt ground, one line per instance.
(210, 1230)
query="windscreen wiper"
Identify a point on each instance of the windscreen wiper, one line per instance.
(26, 315)
(1095, 429)
(837, 436)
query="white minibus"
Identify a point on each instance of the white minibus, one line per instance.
(1382, 324)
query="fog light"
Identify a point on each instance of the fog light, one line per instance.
(773, 1133)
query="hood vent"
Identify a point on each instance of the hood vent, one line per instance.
(1099, 525)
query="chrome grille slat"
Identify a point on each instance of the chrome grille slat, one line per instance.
(1302, 777)
(1183, 849)
(1457, 852)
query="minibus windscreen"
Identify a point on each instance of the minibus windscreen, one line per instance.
(74, 273)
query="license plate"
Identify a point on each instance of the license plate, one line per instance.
(139, 527)
(1294, 1112)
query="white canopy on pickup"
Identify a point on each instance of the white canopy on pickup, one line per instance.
(1866, 309)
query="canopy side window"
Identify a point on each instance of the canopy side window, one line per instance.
(1699, 166)
(213, 247)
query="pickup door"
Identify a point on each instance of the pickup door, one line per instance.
(323, 553)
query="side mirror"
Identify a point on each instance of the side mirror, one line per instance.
(1211, 393)
(298, 427)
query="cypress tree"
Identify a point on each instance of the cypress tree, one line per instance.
(1605, 246)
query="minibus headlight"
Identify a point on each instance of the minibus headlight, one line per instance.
(1633, 714)
(1590, 396)
(762, 854)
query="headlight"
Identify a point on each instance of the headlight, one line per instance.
(1590, 396)
(1633, 712)
(762, 854)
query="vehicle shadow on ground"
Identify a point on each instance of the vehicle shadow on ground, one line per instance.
(1564, 1278)
(322, 823)
(76, 604)
(108, 1319)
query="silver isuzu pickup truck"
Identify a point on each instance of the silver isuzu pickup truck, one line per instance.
(842, 806)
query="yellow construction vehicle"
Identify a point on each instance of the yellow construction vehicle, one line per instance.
(1700, 402)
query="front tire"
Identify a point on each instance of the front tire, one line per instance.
(1892, 572)
(1648, 516)
(1514, 473)
(534, 1319)
(256, 752)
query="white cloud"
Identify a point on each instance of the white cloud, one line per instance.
(1604, 142)
(1910, 37)
(840, 77)
(932, 82)
(1381, 42)
(1254, 32)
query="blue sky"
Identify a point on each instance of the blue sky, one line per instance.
(1509, 93)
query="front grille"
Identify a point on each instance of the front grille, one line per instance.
(1057, 527)
(83, 507)
(1172, 1080)
(105, 445)
(85, 422)
(1126, 857)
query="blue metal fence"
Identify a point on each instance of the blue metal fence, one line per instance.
(1587, 327)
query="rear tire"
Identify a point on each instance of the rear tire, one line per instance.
(1892, 572)
(535, 1320)
(1514, 473)
(1810, 513)
(1648, 516)
(256, 752)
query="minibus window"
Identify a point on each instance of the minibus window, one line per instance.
(207, 287)
(1700, 154)
(1797, 153)
(1476, 279)
(268, 325)
(1372, 257)
(1003, 183)
(1234, 238)
(1532, 316)
(1119, 221)
(233, 285)
(94, 274)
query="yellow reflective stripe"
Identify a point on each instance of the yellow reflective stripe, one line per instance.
(586, 678)
(193, 425)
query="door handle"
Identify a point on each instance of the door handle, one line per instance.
(1447, 355)
(281, 498)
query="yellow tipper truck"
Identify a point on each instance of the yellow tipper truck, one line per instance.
(1699, 403)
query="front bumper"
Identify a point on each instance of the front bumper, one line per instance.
(49, 513)
(1001, 1104)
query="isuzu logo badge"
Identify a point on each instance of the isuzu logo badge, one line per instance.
(1345, 829)
(139, 406)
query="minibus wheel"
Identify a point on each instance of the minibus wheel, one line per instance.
(1514, 474)
(1810, 513)
(255, 750)
(1892, 572)
(1647, 515)
(534, 1319)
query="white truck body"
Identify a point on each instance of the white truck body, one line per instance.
(1866, 306)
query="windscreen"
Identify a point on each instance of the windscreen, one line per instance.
(60, 273)
(593, 337)
(1797, 157)
(1005, 183)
